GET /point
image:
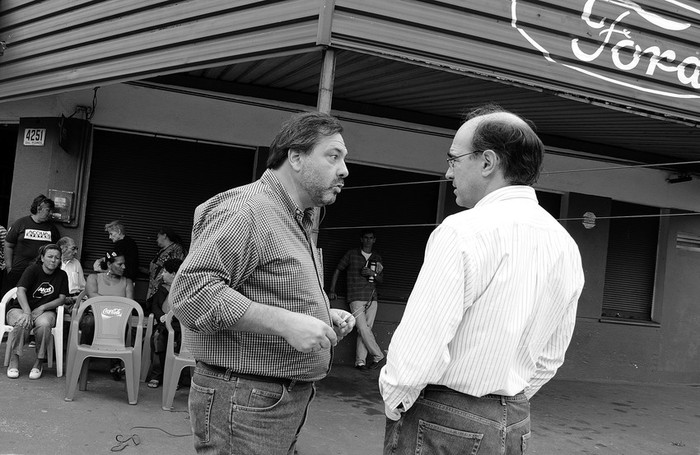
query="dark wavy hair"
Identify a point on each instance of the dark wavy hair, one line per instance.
(514, 140)
(41, 199)
(301, 133)
(109, 258)
(172, 235)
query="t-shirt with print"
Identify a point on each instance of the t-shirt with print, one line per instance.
(41, 287)
(28, 236)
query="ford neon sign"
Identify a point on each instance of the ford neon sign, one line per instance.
(611, 45)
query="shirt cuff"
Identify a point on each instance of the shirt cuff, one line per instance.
(393, 414)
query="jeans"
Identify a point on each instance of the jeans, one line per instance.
(364, 320)
(234, 415)
(443, 421)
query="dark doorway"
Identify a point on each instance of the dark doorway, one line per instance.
(8, 147)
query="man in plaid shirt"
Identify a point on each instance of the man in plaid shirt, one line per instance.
(250, 297)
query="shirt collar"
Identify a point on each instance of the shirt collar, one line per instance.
(509, 192)
(304, 217)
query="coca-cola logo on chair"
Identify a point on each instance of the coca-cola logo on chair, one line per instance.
(648, 50)
(111, 312)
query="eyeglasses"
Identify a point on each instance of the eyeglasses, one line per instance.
(451, 159)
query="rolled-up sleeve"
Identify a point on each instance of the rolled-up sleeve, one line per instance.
(223, 255)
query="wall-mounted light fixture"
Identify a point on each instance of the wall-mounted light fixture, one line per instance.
(679, 178)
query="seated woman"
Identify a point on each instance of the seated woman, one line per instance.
(113, 282)
(41, 289)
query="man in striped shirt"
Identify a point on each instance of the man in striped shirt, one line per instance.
(250, 296)
(494, 306)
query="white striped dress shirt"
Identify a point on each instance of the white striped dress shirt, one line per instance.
(494, 306)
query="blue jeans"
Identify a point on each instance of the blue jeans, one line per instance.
(443, 421)
(235, 415)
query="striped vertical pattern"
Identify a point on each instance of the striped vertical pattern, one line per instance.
(494, 306)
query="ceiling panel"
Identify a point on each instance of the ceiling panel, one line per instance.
(409, 89)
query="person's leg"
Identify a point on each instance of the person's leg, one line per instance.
(364, 330)
(87, 328)
(373, 346)
(42, 333)
(17, 337)
(356, 308)
(245, 417)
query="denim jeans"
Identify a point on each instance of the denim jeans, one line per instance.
(232, 415)
(443, 421)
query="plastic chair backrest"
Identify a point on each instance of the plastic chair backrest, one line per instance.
(9, 295)
(112, 314)
(170, 348)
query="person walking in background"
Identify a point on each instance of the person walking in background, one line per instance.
(251, 294)
(364, 271)
(494, 306)
(25, 237)
(71, 265)
(125, 246)
(170, 245)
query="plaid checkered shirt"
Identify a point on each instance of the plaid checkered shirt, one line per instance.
(251, 244)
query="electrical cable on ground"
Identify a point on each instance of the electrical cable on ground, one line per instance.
(123, 441)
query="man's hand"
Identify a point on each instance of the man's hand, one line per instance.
(332, 295)
(343, 322)
(392, 414)
(38, 311)
(308, 334)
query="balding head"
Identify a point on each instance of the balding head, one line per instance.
(512, 138)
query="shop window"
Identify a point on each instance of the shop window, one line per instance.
(631, 262)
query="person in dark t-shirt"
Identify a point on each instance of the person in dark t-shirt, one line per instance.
(41, 289)
(25, 237)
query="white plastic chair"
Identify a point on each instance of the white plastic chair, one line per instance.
(4, 328)
(174, 363)
(112, 316)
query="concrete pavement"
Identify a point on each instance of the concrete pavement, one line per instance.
(569, 417)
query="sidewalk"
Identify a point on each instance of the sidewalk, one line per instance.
(346, 418)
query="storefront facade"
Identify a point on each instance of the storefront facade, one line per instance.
(191, 93)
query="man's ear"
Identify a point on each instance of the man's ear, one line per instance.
(294, 157)
(490, 162)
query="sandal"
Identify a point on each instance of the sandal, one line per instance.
(153, 383)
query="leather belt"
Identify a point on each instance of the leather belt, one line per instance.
(254, 377)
